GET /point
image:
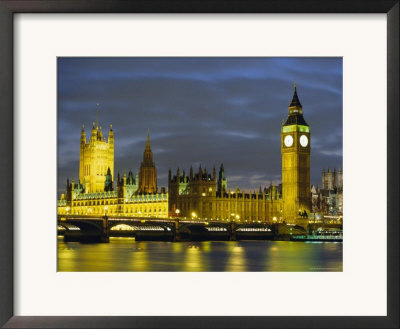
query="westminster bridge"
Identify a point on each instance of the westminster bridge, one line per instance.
(101, 228)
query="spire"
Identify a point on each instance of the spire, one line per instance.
(130, 180)
(83, 135)
(148, 140)
(108, 183)
(295, 116)
(221, 175)
(148, 173)
(97, 115)
(111, 135)
(100, 134)
(148, 154)
(295, 100)
(222, 184)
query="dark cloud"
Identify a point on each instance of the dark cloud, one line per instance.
(200, 110)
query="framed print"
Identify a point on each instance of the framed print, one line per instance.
(207, 218)
(199, 170)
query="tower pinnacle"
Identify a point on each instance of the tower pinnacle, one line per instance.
(148, 140)
(295, 111)
(295, 100)
(97, 115)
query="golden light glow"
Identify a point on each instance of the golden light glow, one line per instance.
(122, 227)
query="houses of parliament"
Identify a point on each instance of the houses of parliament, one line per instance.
(95, 192)
(198, 194)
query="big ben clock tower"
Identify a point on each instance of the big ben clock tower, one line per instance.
(295, 149)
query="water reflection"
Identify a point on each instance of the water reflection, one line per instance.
(193, 260)
(126, 254)
(139, 259)
(237, 259)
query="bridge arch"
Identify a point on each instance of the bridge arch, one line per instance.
(138, 226)
(67, 227)
(84, 225)
(253, 228)
(208, 227)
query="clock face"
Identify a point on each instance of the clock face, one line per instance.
(303, 140)
(288, 140)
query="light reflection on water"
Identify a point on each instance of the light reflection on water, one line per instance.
(126, 254)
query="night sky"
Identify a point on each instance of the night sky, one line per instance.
(204, 111)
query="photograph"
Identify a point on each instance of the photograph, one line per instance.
(190, 159)
(199, 164)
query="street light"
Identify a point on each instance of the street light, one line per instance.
(177, 212)
(194, 215)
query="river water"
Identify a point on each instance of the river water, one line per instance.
(126, 254)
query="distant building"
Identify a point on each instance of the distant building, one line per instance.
(328, 200)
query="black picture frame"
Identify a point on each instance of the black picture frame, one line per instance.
(10, 7)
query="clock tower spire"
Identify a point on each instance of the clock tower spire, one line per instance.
(295, 150)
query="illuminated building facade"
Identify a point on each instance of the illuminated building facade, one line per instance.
(202, 195)
(94, 193)
(148, 173)
(295, 150)
(95, 159)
